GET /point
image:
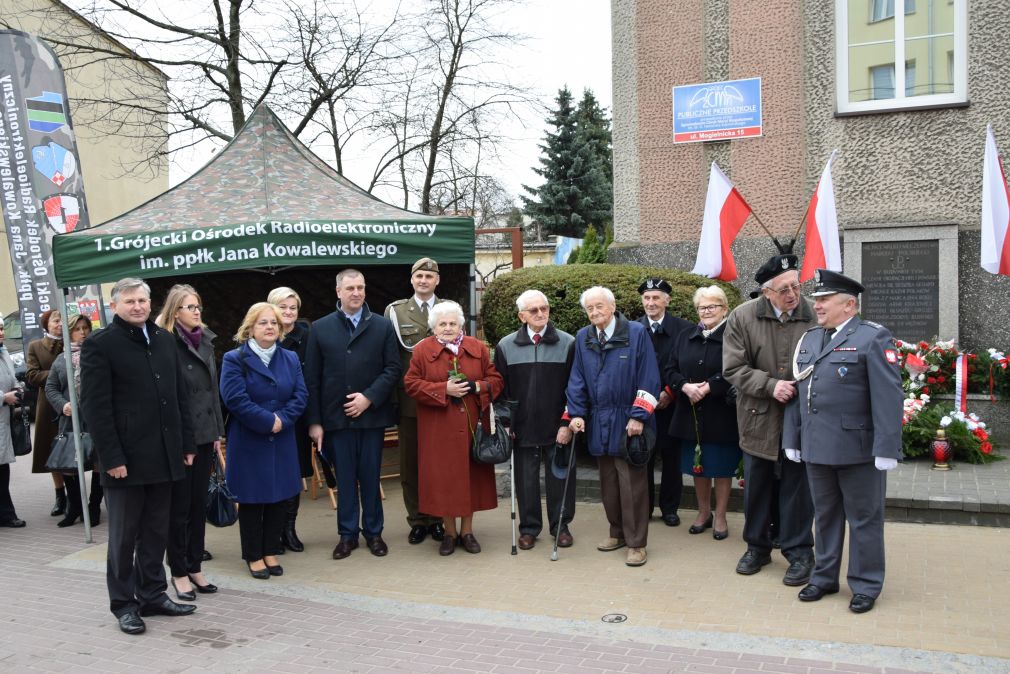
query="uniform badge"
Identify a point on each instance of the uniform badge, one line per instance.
(891, 355)
(785, 263)
(842, 371)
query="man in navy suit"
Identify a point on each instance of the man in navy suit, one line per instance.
(352, 366)
(664, 328)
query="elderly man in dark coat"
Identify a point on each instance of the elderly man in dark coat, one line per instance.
(664, 329)
(352, 366)
(612, 395)
(136, 407)
(845, 425)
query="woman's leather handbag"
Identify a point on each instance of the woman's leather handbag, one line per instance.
(63, 457)
(494, 444)
(21, 433)
(221, 507)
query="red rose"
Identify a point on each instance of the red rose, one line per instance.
(740, 483)
(925, 390)
(923, 345)
(698, 470)
(941, 379)
(930, 380)
(986, 448)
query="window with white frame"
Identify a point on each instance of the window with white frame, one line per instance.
(929, 38)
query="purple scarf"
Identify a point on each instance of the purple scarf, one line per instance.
(192, 337)
(452, 346)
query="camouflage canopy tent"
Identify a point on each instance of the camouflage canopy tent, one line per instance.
(267, 212)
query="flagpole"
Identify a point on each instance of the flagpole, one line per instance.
(778, 245)
(799, 227)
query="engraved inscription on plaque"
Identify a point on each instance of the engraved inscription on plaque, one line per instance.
(902, 280)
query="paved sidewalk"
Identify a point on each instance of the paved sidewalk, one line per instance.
(414, 611)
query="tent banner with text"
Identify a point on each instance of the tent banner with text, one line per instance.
(94, 256)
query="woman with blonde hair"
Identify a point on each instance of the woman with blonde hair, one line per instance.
(296, 339)
(182, 315)
(263, 388)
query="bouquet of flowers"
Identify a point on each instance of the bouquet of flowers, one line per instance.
(967, 434)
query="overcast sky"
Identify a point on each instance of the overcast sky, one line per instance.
(569, 44)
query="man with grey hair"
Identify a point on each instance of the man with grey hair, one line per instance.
(535, 362)
(135, 406)
(757, 359)
(612, 394)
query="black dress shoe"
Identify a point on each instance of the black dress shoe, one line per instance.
(206, 556)
(131, 623)
(861, 603)
(720, 535)
(377, 546)
(417, 534)
(209, 588)
(184, 596)
(437, 531)
(13, 523)
(700, 528)
(814, 593)
(751, 562)
(275, 570)
(345, 547)
(798, 572)
(671, 520)
(167, 607)
(258, 574)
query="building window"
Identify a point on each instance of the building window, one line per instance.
(929, 38)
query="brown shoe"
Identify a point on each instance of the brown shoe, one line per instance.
(447, 546)
(345, 547)
(565, 540)
(609, 544)
(527, 541)
(636, 557)
(469, 543)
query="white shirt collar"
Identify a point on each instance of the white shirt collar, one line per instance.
(838, 328)
(531, 332)
(609, 330)
(420, 303)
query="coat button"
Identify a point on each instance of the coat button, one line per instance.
(157, 376)
(164, 402)
(814, 410)
(701, 362)
(189, 367)
(815, 377)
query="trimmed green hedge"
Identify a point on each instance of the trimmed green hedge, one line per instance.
(564, 284)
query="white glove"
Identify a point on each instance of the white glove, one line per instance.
(793, 455)
(883, 463)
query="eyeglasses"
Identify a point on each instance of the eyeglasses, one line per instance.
(709, 307)
(194, 308)
(794, 288)
(538, 310)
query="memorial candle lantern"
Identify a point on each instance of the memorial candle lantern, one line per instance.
(941, 450)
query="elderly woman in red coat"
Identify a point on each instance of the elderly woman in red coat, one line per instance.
(453, 380)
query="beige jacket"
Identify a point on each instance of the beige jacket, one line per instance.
(757, 351)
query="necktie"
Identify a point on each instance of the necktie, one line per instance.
(828, 336)
(536, 338)
(603, 337)
(424, 309)
(655, 327)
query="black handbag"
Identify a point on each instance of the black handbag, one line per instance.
(494, 444)
(221, 508)
(63, 457)
(21, 433)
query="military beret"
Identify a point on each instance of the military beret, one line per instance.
(425, 263)
(827, 282)
(776, 265)
(654, 284)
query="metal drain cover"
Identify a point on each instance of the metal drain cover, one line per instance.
(614, 618)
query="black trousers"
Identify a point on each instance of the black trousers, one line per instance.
(795, 508)
(527, 467)
(259, 528)
(187, 524)
(671, 482)
(6, 504)
(138, 531)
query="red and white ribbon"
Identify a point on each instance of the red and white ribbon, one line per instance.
(645, 400)
(961, 383)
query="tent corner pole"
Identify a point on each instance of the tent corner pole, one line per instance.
(74, 415)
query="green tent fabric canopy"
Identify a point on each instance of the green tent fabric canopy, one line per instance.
(265, 200)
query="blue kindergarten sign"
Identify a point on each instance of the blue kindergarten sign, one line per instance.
(717, 111)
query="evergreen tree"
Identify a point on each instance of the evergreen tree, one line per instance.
(594, 162)
(591, 251)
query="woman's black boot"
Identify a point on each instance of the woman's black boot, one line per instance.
(73, 503)
(289, 537)
(61, 503)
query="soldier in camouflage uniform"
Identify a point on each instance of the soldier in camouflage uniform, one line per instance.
(410, 323)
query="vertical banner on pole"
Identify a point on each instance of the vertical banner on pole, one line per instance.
(41, 187)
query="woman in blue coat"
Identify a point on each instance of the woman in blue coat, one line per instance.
(263, 389)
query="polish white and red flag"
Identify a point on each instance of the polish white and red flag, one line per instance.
(995, 210)
(822, 250)
(725, 213)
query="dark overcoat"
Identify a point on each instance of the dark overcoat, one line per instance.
(199, 371)
(339, 362)
(262, 465)
(663, 343)
(298, 341)
(695, 359)
(42, 353)
(613, 383)
(450, 483)
(135, 403)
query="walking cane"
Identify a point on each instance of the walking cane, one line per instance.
(512, 491)
(564, 494)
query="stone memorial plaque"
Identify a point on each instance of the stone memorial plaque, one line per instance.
(902, 280)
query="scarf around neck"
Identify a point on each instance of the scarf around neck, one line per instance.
(264, 354)
(705, 333)
(75, 357)
(453, 346)
(192, 337)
